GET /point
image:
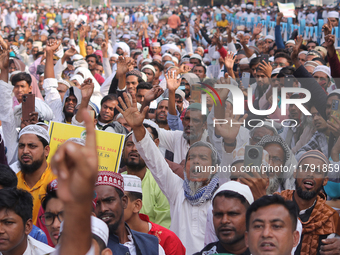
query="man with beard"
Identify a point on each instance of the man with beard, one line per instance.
(162, 113)
(297, 136)
(36, 173)
(193, 125)
(155, 204)
(319, 221)
(110, 208)
(319, 140)
(229, 206)
(281, 164)
(189, 199)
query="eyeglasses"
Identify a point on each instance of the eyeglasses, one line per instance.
(275, 160)
(278, 64)
(48, 218)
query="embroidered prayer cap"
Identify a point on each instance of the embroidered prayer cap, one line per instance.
(135, 73)
(324, 69)
(132, 183)
(237, 187)
(314, 154)
(111, 179)
(66, 83)
(275, 139)
(149, 67)
(36, 130)
(100, 229)
(156, 44)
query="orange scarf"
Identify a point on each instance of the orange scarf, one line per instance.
(324, 220)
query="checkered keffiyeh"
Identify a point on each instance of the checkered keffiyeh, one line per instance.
(317, 142)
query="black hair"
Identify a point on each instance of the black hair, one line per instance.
(277, 51)
(323, 62)
(153, 130)
(316, 43)
(287, 70)
(99, 63)
(21, 77)
(30, 40)
(232, 194)
(254, 62)
(100, 242)
(92, 56)
(159, 65)
(200, 65)
(8, 178)
(133, 196)
(43, 141)
(119, 192)
(18, 200)
(284, 55)
(273, 200)
(109, 97)
(48, 196)
(144, 85)
(303, 47)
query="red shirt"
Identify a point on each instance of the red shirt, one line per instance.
(167, 239)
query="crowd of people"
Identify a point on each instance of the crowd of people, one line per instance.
(171, 80)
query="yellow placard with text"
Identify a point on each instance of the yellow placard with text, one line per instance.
(109, 145)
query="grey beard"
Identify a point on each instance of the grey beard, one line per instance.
(194, 186)
(274, 184)
(191, 137)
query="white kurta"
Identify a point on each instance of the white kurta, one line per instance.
(187, 222)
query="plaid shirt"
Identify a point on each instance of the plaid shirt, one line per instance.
(317, 142)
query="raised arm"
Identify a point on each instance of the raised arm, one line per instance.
(77, 167)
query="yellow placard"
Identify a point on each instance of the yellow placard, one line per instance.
(109, 145)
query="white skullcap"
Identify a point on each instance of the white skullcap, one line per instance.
(276, 70)
(132, 183)
(98, 228)
(166, 55)
(290, 41)
(149, 67)
(244, 61)
(196, 56)
(324, 69)
(144, 77)
(237, 187)
(125, 36)
(175, 60)
(78, 78)
(147, 60)
(77, 57)
(270, 37)
(333, 14)
(180, 93)
(155, 44)
(67, 84)
(243, 5)
(249, 6)
(303, 52)
(36, 130)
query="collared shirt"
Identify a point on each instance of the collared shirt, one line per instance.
(155, 204)
(35, 247)
(38, 191)
(187, 222)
